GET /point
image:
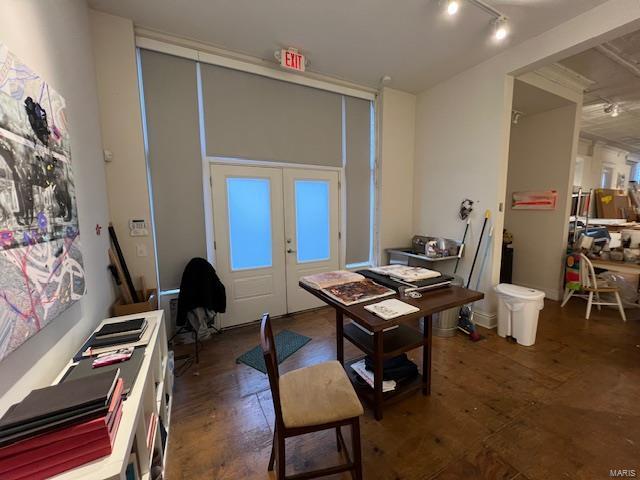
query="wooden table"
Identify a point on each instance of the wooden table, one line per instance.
(394, 342)
(616, 266)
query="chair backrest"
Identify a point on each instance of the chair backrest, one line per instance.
(271, 362)
(587, 273)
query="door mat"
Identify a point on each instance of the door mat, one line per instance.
(287, 343)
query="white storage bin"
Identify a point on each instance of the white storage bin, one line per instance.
(518, 309)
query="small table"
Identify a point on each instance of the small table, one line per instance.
(382, 345)
(617, 266)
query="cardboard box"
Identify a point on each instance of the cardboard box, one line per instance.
(151, 303)
(612, 203)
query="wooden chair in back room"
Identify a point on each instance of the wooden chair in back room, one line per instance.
(592, 287)
(311, 399)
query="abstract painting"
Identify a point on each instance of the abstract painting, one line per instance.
(542, 200)
(41, 268)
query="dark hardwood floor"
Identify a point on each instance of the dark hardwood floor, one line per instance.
(566, 408)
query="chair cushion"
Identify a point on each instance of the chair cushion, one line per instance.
(317, 394)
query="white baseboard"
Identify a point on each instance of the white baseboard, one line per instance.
(485, 319)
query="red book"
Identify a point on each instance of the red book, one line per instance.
(44, 467)
(51, 470)
(72, 434)
(60, 463)
(114, 430)
(44, 453)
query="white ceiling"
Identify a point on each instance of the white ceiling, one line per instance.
(356, 40)
(613, 83)
(530, 100)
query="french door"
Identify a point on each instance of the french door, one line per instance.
(272, 226)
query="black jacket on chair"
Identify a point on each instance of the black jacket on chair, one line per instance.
(200, 287)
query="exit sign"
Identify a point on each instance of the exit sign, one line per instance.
(291, 59)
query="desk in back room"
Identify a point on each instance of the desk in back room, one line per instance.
(615, 266)
(394, 342)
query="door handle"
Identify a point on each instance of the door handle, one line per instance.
(290, 250)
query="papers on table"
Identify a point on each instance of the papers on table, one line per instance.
(346, 287)
(391, 308)
(324, 280)
(406, 273)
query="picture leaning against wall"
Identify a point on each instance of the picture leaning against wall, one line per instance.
(41, 268)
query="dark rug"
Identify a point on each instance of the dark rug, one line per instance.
(287, 343)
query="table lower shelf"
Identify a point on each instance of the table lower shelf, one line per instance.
(402, 390)
(394, 342)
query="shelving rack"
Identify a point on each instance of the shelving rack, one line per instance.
(151, 394)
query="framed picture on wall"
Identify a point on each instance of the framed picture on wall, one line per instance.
(536, 200)
(41, 266)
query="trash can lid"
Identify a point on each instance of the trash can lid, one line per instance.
(517, 291)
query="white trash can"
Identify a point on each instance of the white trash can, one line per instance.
(518, 309)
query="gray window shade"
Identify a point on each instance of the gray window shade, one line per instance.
(258, 118)
(358, 178)
(171, 107)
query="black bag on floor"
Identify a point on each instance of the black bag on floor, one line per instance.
(398, 368)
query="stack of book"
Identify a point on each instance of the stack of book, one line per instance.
(57, 428)
(118, 333)
(346, 287)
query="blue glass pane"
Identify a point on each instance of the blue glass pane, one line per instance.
(312, 220)
(249, 203)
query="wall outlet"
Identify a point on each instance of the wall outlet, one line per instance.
(141, 250)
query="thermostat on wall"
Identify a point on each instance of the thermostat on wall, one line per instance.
(138, 228)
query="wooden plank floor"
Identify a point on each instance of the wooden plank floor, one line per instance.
(566, 408)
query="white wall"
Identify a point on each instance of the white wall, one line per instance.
(597, 155)
(55, 42)
(121, 120)
(541, 154)
(462, 129)
(397, 152)
(114, 46)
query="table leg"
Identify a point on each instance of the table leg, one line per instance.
(377, 374)
(339, 337)
(426, 355)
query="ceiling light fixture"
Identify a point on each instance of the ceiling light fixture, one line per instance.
(612, 109)
(452, 7)
(500, 28)
(616, 111)
(516, 116)
(500, 22)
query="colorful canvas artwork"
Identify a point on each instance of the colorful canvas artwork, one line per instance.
(543, 200)
(41, 268)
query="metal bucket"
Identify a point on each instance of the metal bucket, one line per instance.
(445, 323)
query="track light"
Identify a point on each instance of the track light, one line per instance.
(452, 7)
(499, 22)
(515, 116)
(612, 109)
(500, 28)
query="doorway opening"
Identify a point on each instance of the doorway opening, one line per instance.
(273, 225)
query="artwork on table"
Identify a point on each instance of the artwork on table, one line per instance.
(540, 200)
(41, 268)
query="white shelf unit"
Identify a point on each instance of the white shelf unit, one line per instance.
(151, 394)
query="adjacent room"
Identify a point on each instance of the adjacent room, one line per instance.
(345, 240)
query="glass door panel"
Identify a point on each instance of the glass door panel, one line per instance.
(312, 220)
(249, 209)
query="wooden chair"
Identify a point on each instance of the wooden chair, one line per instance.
(593, 288)
(310, 399)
